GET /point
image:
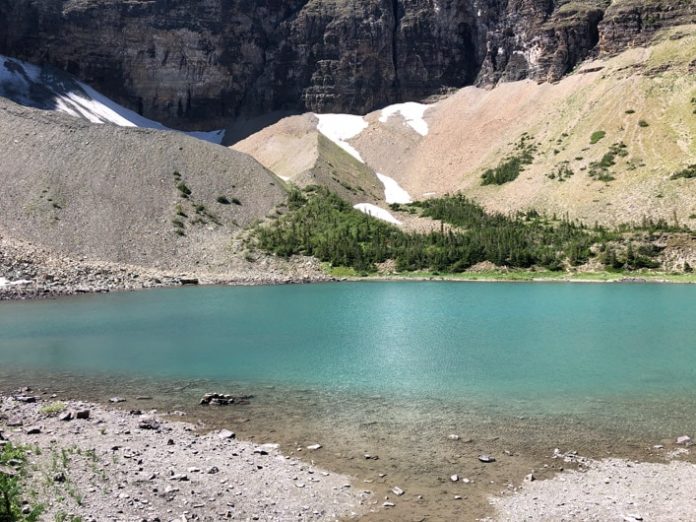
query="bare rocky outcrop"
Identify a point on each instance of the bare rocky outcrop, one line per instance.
(206, 63)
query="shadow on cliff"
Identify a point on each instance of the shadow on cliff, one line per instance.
(242, 128)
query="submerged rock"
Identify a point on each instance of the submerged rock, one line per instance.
(220, 399)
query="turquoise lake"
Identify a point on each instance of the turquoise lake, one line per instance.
(449, 340)
(393, 368)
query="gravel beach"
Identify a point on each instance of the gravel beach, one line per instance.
(609, 489)
(84, 460)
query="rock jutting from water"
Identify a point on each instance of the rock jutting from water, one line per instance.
(221, 399)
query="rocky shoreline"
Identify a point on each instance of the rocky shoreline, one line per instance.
(83, 460)
(30, 272)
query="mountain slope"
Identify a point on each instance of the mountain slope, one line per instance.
(605, 141)
(116, 194)
(296, 151)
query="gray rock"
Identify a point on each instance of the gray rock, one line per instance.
(82, 414)
(33, 430)
(25, 398)
(6, 470)
(115, 400)
(226, 434)
(148, 422)
(486, 458)
(397, 491)
(65, 417)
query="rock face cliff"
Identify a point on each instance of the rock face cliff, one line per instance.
(202, 63)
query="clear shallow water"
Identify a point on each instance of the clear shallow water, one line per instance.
(537, 342)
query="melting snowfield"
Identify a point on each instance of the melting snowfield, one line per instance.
(413, 114)
(377, 212)
(340, 128)
(38, 87)
(393, 192)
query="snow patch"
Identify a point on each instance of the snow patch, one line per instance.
(411, 112)
(6, 282)
(62, 93)
(340, 128)
(376, 212)
(393, 192)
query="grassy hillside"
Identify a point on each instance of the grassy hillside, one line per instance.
(599, 146)
(609, 141)
(142, 197)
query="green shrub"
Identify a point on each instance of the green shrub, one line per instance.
(563, 172)
(183, 189)
(597, 136)
(53, 408)
(11, 491)
(687, 173)
(511, 167)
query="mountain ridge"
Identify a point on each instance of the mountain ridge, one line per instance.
(204, 65)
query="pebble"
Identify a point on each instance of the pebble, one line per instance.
(314, 447)
(115, 400)
(388, 504)
(684, 439)
(453, 436)
(226, 434)
(397, 491)
(486, 458)
(454, 478)
(33, 430)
